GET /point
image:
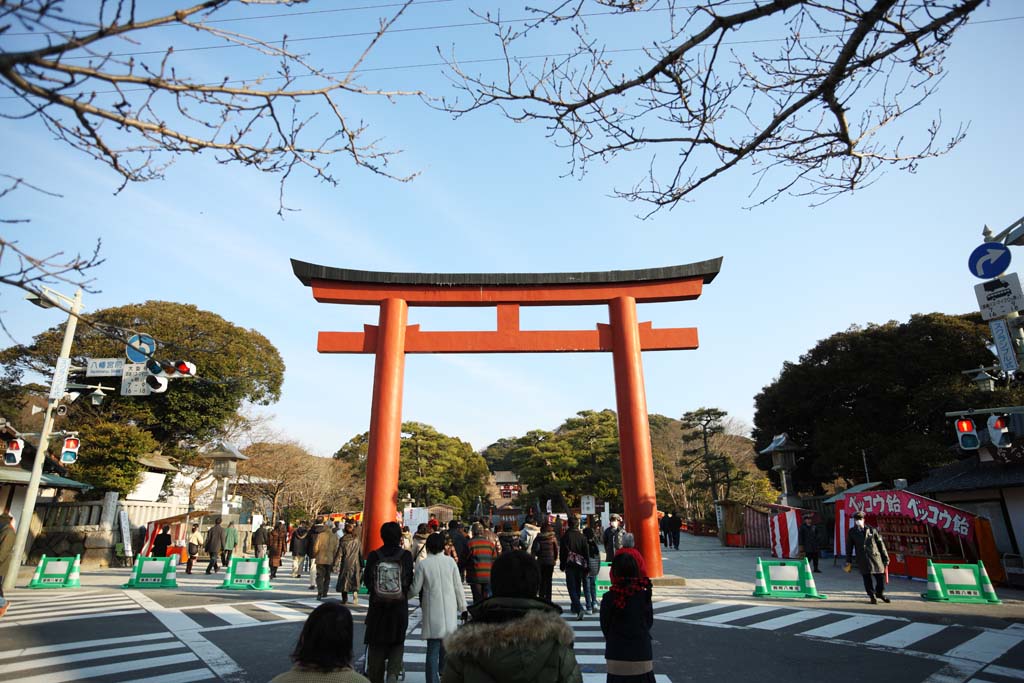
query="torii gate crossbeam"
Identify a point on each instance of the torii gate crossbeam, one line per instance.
(624, 336)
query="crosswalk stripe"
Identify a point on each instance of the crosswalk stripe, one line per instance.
(788, 619)
(739, 614)
(82, 645)
(985, 647)
(230, 614)
(41, 605)
(1004, 671)
(109, 669)
(280, 610)
(70, 596)
(11, 622)
(83, 609)
(177, 677)
(601, 678)
(696, 609)
(174, 620)
(63, 659)
(909, 634)
(842, 627)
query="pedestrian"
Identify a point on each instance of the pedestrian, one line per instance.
(674, 528)
(277, 546)
(324, 651)
(482, 552)
(388, 578)
(314, 531)
(545, 549)
(461, 544)
(513, 636)
(508, 540)
(214, 545)
(626, 619)
(259, 540)
(809, 540)
(406, 539)
(872, 557)
(433, 524)
(529, 533)
(442, 601)
(593, 569)
(7, 536)
(663, 526)
(325, 553)
(193, 543)
(419, 542)
(613, 537)
(161, 543)
(350, 570)
(572, 560)
(298, 546)
(339, 530)
(230, 543)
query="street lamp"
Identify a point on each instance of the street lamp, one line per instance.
(44, 298)
(783, 451)
(225, 465)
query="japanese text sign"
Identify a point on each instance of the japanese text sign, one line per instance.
(913, 506)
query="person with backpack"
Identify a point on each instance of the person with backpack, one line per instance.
(545, 549)
(593, 569)
(388, 578)
(508, 540)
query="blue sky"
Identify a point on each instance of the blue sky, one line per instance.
(491, 197)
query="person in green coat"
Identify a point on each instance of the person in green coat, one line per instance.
(230, 541)
(514, 637)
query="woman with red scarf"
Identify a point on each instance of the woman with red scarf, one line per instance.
(626, 620)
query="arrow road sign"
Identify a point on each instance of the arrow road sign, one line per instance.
(140, 348)
(989, 260)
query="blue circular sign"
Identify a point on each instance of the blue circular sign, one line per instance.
(989, 260)
(140, 347)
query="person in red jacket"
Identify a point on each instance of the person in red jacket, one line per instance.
(482, 553)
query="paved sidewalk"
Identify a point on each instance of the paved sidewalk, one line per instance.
(715, 572)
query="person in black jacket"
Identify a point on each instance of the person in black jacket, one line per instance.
(162, 542)
(461, 544)
(808, 538)
(572, 559)
(298, 547)
(626, 619)
(387, 620)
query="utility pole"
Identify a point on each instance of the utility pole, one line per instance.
(56, 392)
(864, 457)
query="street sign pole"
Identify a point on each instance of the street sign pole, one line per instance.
(28, 509)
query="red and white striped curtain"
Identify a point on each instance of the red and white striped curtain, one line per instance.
(843, 524)
(783, 529)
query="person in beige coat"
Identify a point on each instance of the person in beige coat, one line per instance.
(442, 601)
(325, 553)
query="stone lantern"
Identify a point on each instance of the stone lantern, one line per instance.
(783, 451)
(225, 459)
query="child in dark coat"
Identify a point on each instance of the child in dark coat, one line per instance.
(626, 619)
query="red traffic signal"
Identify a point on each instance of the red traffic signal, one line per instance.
(69, 453)
(967, 435)
(12, 456)
(999, 431)
(185, 368)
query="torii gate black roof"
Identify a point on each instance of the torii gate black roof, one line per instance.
(706, 270)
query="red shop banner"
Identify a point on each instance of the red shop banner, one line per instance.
(915, 507)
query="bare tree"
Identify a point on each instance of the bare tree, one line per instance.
(273, 471)
(327, 485)
(78, 75)
(812, 115)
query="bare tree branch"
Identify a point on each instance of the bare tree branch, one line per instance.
(815, 113)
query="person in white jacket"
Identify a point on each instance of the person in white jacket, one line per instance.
(441, 600)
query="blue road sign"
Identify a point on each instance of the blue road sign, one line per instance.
(989, 260)
(140, 347)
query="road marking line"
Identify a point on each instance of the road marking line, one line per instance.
(696, 609)
(81, 645)
(1004, 671)
(601, 678)
(789, 619)
(85, 656)
(739, 614)
(230, 614)
(280, 610)
(842, 627)
(9, 623)
(985, 647)
(42, 597)
(174, 620)
(109, 669)
(72, 609)
(907, 635)
(178, 677)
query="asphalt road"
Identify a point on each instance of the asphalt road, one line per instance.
(199, 633)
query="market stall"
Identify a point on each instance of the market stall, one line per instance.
(179, 525)
(917, 529)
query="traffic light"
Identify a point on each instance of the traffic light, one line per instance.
(69, 453)
(999, 431)
(12, 456)
(157, 384)
(967, 435)
(185, 368)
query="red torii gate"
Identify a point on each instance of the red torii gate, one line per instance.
(623, 336)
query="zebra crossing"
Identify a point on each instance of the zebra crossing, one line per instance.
(48, 607)
(147, 657)
(951, 643)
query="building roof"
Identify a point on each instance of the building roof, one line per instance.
(971, 474)
(853, 489)
(157, 462)
(20, 477)
(505, 477)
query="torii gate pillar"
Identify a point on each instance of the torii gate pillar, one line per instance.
(624, 336)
